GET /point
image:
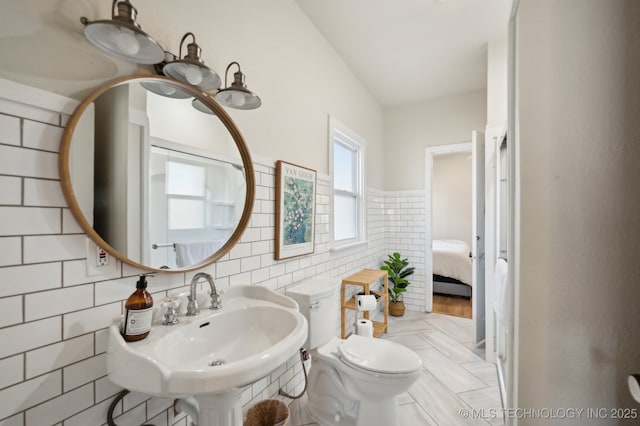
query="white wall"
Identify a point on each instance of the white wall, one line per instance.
(451, 197)
(579, 151)
(404, 232)
(409, 129)
(497, 83)
(299, 77)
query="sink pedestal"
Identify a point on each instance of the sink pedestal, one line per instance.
(220, 409)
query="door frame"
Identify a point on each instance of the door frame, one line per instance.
(430, 152)
(493, 139)
(478, 237)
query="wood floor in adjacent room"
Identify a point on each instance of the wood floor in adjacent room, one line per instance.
(455, 377)
(452, 305)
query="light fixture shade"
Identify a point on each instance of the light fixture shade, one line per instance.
(165, 89)
(238, 99)
(202, 77)
(237, 95)
(200, 106)
(122, 37)
(191, 69)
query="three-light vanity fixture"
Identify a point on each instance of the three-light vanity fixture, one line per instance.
(122, 37)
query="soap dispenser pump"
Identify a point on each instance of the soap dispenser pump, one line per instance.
(138, 313)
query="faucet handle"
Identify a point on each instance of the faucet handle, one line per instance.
(192, 307)
(171, 315)
(216, 301)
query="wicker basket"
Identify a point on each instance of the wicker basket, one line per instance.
(270, 412)
(396, 309)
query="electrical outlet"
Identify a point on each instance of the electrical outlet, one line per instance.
(99, 262)
(102, 258)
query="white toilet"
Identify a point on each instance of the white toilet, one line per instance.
(354, 381)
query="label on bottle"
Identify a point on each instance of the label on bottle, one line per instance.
(137, 321)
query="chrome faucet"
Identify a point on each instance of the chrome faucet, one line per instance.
(216, 300)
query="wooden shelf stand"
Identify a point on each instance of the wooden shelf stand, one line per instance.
(365, 279)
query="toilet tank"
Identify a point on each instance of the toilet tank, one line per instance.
(318, 302)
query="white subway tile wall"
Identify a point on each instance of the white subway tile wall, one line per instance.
(11, 370)
(52, 357)
(404, 230)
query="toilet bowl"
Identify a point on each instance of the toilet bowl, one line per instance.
(355, 381)
(368, 374)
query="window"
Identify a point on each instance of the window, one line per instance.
(347, 153)
(198, 193)
(186, 196)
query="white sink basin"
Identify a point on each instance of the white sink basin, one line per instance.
(214, 352)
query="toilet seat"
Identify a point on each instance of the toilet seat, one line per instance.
(378, 356)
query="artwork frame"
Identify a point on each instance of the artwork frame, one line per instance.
(295, 210)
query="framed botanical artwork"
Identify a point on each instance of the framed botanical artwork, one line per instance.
(295, 210)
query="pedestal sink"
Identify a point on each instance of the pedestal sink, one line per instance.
(213, 356)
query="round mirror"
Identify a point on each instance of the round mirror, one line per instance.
(157, 174)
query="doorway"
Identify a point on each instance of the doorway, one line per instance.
(474, 239)
(452, 226)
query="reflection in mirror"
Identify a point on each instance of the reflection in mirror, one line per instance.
(197, 199)
(169, 187)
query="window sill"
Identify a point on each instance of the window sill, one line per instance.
(347, 246)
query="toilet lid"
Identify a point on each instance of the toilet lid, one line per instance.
(378, 355)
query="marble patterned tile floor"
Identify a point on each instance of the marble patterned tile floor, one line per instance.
(455, 376)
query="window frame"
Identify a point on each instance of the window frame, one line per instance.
(339, 133)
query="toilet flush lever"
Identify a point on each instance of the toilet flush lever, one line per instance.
(314, 305)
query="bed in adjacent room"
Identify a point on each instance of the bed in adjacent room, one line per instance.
(452, 268)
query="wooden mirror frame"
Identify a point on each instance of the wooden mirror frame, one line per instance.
(74, 206)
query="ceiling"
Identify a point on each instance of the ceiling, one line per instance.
(407, 51)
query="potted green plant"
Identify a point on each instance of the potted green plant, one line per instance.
(398, 270)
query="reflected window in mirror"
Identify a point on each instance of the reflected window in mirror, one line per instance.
(201, 197)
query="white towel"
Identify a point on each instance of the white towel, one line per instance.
(194, 252)
(501, 304)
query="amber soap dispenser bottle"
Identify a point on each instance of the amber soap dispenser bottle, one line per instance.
(138, 313)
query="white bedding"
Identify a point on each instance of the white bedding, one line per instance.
(451, 259)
